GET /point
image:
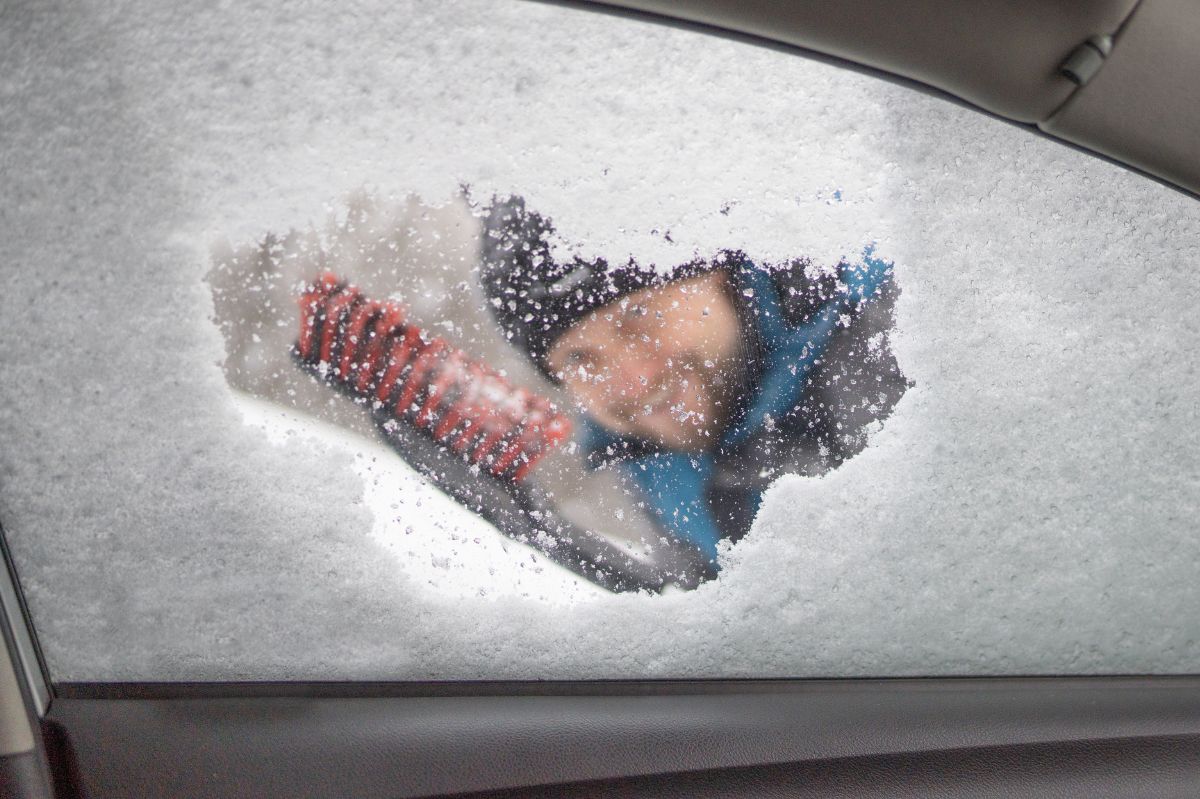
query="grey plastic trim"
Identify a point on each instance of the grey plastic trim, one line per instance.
(23, 765)
(436, 689)
(24, 776)
(298, 746)
(1086, 60)
(16, 737)
(15, 617)
(1132, 768)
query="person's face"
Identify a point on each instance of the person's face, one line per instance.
(657, 363)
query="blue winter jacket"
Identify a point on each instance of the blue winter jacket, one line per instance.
(821, 371)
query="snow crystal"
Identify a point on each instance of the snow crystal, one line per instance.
(1028, 508)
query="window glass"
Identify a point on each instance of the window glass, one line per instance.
(509, 341)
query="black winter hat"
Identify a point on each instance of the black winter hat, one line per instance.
(536, 299)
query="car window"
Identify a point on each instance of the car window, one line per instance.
(487, 341)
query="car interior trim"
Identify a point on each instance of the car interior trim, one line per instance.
(23, 766)
(1157, 768)
(351, 689)
(299, 745)
(16, 616)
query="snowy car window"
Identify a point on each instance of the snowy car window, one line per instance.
(483, 341)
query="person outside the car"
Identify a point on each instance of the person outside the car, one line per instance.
(704, 383)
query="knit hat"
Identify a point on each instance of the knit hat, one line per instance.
(534, 298)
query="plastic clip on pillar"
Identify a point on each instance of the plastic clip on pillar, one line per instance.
(1085, 60)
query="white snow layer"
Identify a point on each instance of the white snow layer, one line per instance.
(1029, 508)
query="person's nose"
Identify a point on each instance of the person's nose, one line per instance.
(636, 373)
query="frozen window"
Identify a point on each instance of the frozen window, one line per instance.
(476, 340)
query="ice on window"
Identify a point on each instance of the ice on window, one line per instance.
(1026, 507)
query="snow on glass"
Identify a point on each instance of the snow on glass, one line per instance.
(1026, 507)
